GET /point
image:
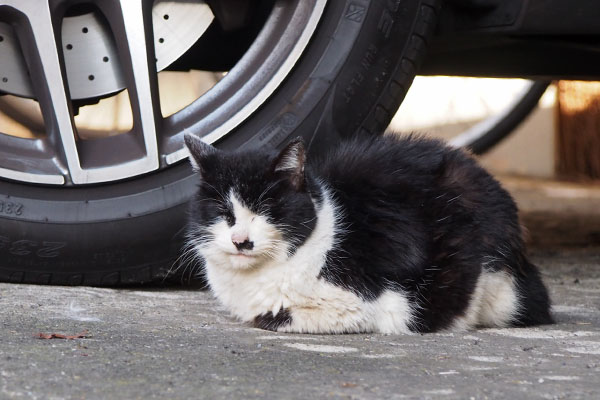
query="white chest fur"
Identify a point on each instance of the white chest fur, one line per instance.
(293, 283)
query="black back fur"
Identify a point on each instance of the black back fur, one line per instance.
(425, 217)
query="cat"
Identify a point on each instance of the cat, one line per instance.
(385, 234)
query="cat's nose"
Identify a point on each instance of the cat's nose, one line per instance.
(245, 245)
(241, 241)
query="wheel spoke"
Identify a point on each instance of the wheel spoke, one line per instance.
(37, 40)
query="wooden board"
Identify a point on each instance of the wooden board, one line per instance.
(578, 130)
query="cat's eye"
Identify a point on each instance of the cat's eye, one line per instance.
(229, 218)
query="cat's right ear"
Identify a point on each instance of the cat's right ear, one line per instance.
(198, 151)
(291, 162)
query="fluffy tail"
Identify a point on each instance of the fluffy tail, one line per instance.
(533, 295)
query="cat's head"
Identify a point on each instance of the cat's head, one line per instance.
(251, 207)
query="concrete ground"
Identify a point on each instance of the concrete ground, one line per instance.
(179, 344)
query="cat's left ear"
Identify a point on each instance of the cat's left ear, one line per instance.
(290, 161)
(198, 151)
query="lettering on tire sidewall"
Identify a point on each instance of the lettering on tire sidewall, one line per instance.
(11, 208)
(27, 247)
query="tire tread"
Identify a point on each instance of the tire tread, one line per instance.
(403, 75)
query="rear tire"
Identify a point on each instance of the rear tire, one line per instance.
(352, 77)
(488, 133)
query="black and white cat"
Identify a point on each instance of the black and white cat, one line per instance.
(390, 235)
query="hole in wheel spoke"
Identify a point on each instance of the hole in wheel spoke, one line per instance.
(179, 89)
(107, 133)
(22, 157)
(108, 117)
(21, 117)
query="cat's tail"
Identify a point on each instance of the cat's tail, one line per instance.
(533, 297)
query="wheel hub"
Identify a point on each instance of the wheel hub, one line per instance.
(60, 155)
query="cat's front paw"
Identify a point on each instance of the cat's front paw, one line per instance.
(272, 322)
